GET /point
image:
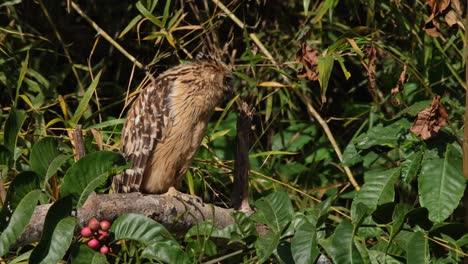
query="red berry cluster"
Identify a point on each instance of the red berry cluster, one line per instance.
(97, 233)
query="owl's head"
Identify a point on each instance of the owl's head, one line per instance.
(215, 71)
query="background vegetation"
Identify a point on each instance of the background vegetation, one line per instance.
(327, 124)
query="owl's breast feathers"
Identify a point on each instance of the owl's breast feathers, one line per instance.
(166, 125)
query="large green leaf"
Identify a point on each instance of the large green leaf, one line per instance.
(167, 251)
(441, 183)
(21, 186)
(18, 220)
(351, 155)
(57, 233)
(266, 244)
(417, 249)
(139, 228)
(343, 250)
(5, 156)
(88, 173)
(85, 255)
(377, 189)
(42, 155)
(274, 210)
(13, 126)
(389, 136)
(304, 247)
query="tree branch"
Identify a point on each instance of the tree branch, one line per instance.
(176, 215)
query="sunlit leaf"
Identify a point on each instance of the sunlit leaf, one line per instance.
(139, 228)
(88, 173)
(274, 210)
(378, 189)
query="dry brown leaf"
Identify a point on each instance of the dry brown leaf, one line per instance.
(438, 6)
(451, 18)
(431, 26)
(399, 86)
(308, 57)
(371, 55)
(430, 120)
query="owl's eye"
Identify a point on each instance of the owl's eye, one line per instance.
(229, 79)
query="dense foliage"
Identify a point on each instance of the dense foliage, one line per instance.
(353, 154)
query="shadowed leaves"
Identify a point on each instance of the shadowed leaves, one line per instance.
(450, 9)
(309, 59)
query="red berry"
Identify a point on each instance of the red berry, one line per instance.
(93, 223)
(105, 225)
(102, 235)
(86, 232)
(104, 250)
(93, 243)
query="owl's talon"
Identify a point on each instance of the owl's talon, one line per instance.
(192, 199)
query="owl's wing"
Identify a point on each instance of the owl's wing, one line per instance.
(142, 131)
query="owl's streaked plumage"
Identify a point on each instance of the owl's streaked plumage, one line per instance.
(167, 122)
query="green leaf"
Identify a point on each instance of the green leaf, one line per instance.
(274, 210)
(20, 187)
(304, 247)
(377, 189)
(389, 136)
(417, 249)
(378, 257)
(148, 14)
(13, 126)
(398, 218)
(441, 183)
(109, 123)
(57, 233)
(410, 166)
(55, 165)
(88, 173)
(130, 25)
(414, 109)
(266, 244)
(85, 255)
(325, 66)
(22, 75)
(85, 100)
(42, 154)
(166, 251)
(5, 156)
(343, 250)
(351, 155)
(166, 11)
(139, 228)
(18, 220)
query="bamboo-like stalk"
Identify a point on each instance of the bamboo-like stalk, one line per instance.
(310, 108)
(465, 131)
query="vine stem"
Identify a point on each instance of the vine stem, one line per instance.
(310, 108)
